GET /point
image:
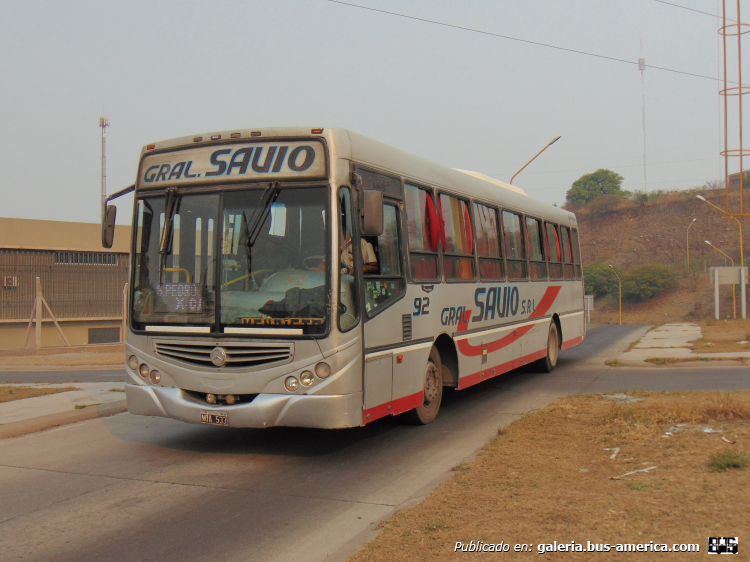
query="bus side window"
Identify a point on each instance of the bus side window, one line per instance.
(570, 270)
(384, 284)
(515, 249)
(348, 312)
(553, 251)
(488, 242)
(459, 245)
(534, 237)
(576, 252)
(423, 231)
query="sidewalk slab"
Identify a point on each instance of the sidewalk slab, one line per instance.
(672, 341)
(90, 393)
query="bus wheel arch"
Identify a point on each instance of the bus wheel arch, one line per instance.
(449, 359)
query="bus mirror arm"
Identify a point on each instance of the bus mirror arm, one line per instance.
(109, 213)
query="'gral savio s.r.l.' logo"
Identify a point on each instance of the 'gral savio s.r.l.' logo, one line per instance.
(293, 159)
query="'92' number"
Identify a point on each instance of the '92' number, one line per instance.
(421, 306)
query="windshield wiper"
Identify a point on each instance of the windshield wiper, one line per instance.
(251, 228)
(171, 206)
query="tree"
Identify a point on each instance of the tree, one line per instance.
(599, 280)
(646, 281)
(590, 186)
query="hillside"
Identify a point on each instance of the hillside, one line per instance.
(627, 233)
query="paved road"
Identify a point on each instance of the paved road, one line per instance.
(130, 488)
(104, 375)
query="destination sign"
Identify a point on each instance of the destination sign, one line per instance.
(186, 298)
(256, 161)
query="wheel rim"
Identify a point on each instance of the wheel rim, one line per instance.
(431, 388)
(552, 346)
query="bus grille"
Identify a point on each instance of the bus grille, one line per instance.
(238, 354)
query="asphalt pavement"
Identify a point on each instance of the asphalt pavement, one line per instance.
(130, 488)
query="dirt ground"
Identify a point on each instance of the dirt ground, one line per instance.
(562, 474)
(691, 301)
(8, 393)
(723, 335)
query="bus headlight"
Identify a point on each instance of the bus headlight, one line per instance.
(306, 378)
(291, 384)
(154, 376)
(143, 370)
(323, 370)
(133, 362)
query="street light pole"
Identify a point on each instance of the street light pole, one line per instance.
(728, 216)
(553, 141)
(688, 244)
(620, 281)
(734, 290)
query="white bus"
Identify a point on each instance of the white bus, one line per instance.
(318, 278)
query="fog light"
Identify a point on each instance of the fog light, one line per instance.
(154, 376)
(211, 398)
(143, 370)
(133, 362)
(291, 384)
(230, 399)
(306, 378)
(322, 370)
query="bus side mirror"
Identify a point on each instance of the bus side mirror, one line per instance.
(372, 222)
(108, 226)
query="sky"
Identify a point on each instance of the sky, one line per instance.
(163, 69)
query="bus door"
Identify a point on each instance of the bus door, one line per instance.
(384, 287)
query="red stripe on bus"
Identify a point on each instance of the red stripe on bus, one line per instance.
(470, 380)
(544, 305)
(570, 343)
(398, 406)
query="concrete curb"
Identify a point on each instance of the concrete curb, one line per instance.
(16, 429)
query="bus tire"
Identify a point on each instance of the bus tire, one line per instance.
(548, 363)
(433, 391)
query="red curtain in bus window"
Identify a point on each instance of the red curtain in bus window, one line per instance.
(432, 222)
(553, 252)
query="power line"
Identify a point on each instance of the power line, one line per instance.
(694, 10)
(566, 49)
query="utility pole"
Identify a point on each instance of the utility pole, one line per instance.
(642, 68)
(104, 123)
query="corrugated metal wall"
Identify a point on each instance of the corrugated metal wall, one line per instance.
(74, 284)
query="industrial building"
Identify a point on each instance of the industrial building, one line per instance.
(82, 282)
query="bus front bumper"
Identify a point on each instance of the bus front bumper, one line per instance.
(266, 410)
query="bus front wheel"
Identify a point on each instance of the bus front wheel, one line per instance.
(548, 363)
(433, 391)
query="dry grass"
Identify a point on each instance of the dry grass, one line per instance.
(8, 393)
(675, 360)
(548, 477)
(723, 336)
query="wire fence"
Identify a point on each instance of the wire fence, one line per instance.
(81, 288)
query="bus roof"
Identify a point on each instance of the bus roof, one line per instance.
(366, 151)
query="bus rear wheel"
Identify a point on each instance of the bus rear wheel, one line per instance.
(548, 363)
(433, 391)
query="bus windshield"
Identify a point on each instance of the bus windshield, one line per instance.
(271, 272)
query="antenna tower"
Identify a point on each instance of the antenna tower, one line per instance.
(733, 30)
(104, 123)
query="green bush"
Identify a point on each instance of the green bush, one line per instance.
(598, 280)
(607, 204)
(644, 282)
(731, 458)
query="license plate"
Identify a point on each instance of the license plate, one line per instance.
(214, 418)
